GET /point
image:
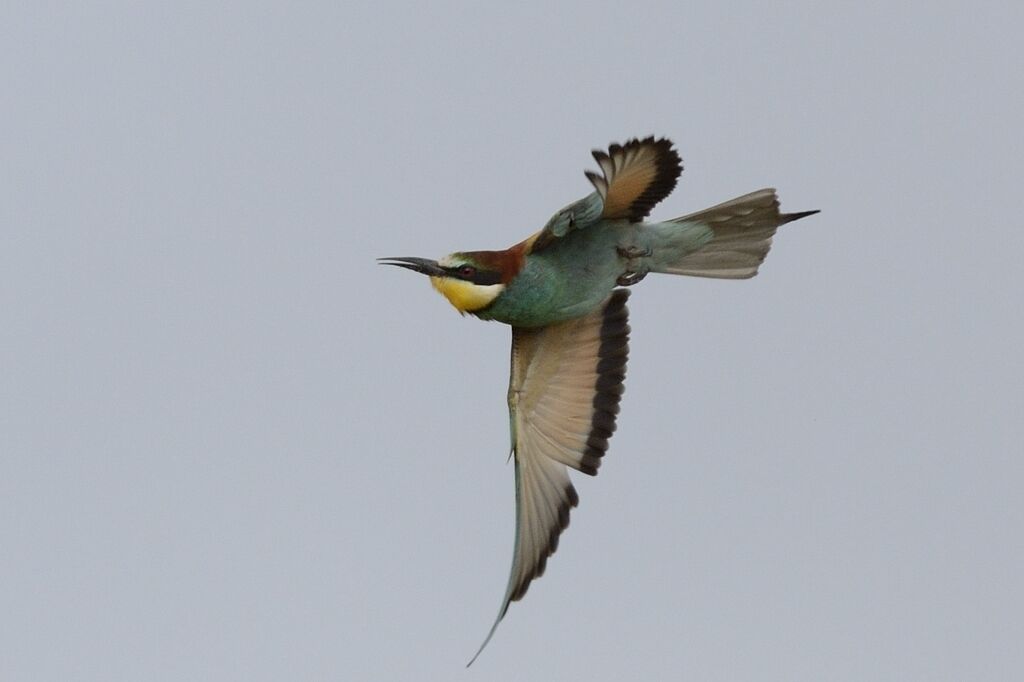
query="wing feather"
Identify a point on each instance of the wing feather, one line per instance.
(637, 175)
(564, 392)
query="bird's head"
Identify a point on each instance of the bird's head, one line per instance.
(470, 281)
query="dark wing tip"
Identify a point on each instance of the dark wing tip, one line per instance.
(518, 591)
(668, 166)
(649, 152)
(611, 374)
(571, 500)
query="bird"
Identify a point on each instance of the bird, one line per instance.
(563, 291)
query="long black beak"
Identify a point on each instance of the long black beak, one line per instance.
(427, 267)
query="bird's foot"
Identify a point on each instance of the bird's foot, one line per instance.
(628, 279)
(634, 269)
(633, 252)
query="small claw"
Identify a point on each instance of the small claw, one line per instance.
(628, 279)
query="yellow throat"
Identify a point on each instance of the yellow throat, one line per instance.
(466, 296)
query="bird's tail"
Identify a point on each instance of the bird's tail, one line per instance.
(742, 231)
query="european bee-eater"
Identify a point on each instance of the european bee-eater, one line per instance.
(558, 291)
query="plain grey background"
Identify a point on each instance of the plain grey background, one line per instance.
(232, 447)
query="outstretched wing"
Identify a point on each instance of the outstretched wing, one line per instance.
(563, 396)
(635, 176)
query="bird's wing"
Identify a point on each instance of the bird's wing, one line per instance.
(564, 391)
(635, 176)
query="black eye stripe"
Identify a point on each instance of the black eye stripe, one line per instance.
(482, 277)
(487, 278)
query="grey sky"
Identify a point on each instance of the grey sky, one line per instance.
(232, 447)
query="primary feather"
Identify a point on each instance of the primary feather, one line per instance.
(565, 384)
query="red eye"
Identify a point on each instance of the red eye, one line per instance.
(467, 271)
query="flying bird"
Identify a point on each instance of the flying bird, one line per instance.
(562, 292)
